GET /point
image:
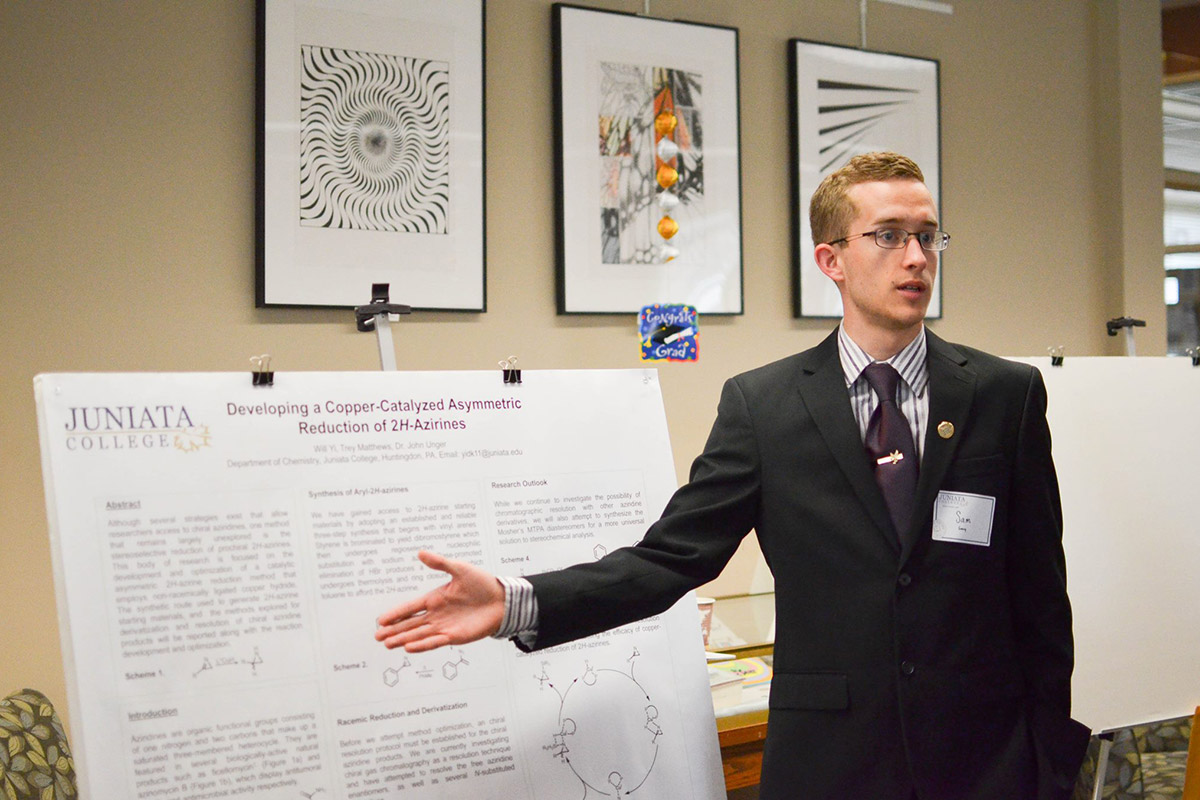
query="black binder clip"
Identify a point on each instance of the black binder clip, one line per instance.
(365, 315)
(508, 368)
(261, 376)
(1117, 324)
(1056, 355)
(1194, 352)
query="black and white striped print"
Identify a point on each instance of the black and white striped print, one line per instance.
(374, 141)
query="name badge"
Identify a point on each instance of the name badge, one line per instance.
(964, 518)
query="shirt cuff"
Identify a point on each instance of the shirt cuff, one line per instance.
(520, 611)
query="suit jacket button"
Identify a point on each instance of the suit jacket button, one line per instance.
(907, 667)
(905, 579)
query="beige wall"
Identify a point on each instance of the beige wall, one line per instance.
(127, 160)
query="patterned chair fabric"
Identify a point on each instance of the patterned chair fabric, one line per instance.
(1146, 762)
(35, 761)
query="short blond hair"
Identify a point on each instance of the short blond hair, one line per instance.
(831, 209)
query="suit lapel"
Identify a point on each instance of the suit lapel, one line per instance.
(951, 390)
(822, 387)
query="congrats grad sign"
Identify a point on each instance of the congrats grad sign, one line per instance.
(669, 332)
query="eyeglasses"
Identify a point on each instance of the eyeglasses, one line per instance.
(897, 238)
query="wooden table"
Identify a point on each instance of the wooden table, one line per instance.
(748, 619)
(741, 738)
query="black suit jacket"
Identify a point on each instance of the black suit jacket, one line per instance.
(939, 666)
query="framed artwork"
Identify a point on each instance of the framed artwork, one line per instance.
(370, 153)
(648, 163)
(844, 102)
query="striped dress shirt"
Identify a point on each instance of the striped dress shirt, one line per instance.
(913, 389)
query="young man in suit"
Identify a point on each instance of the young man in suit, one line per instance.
(909, 513)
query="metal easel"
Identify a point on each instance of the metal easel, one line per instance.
(1106, 737)
(376, 316)
(1128, 324)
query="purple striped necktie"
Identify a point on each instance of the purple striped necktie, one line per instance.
(890, 444)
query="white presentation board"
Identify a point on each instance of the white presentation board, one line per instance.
(1126, 436)
(222, 551)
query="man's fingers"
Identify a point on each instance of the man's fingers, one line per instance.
(417, 639)
(440, 563)
(397, 637)
(428, 643)
(385, 630)
(404, 611)
(469, 607)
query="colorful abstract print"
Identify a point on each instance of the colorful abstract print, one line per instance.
(651, 162)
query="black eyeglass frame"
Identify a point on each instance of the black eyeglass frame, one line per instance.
(944, 240)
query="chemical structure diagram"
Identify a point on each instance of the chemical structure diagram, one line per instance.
(607, 728)
(450, 669)
(230, 661)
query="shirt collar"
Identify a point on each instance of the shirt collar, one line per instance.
(909, 362)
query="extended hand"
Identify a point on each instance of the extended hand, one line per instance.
(468, 608)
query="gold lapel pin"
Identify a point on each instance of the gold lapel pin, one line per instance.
(945, 429)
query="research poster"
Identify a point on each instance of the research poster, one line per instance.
(222, 551)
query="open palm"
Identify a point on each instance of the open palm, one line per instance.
(467, 608)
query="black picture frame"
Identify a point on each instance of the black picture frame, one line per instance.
(370, 157)
(845, 101)
(631, 233)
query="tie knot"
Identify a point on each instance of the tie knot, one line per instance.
(883, 379)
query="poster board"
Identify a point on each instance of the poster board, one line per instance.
(222, 550)
(1126, 434)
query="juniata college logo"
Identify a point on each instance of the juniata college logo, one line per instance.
(134, 428)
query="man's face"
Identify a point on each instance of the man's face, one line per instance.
(885, 291)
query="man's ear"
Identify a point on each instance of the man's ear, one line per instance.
(829, 261)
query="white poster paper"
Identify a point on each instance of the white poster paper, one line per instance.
(222, 550)
(1126, 434)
